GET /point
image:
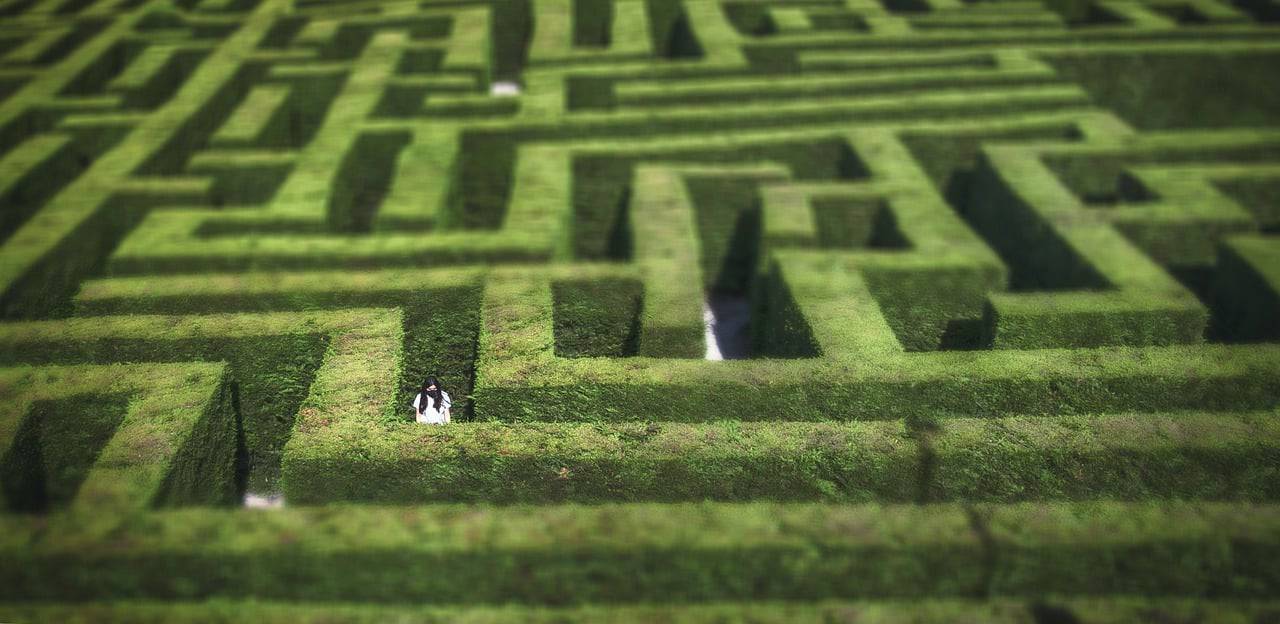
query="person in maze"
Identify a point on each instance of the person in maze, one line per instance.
(432, 403)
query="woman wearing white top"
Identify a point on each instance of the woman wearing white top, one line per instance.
(435, 409)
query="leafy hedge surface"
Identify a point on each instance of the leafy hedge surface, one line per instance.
(672, 553)
(1002, 610)
(627, 462)
(175, 444)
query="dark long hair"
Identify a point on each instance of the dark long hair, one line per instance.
(435, 397)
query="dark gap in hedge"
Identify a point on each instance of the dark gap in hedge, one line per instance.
(42, 181)
(1083, 13)
(282, 32)
(441, 338)
(854, 222)
(778, 328)
(1036, 255)
(401, 101)
(1241, 303)
(166, 82)
(16, 8)
(55, 445)
(420, 61)
(964, 334)
(907, 6)
(1260, 196)
(1158, 91)
(838, 20)
(273, 373)
(25, 125)
(597, 318)
(351, 38)
(93, 79)
(482, 188)
(510, 30)
(750, 19)
(193, 135)
(240, 186)
(602, 194)
(727, 211)
(933, 309)
(670, 31)
(202, 470)
(11, 85)
(296, 121)
(243, 461)
(949, 159)
(1045, 613)
(588, 93)
(80, 33)
(45, 291)
(1101, 179)
(1261, 10)
(592, 23)
(364, 179)
(72, 6)
(1182, 13)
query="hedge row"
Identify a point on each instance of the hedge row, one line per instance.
(532, 462)
(520, 379)
(70, 234)
(556, 555)
(174, 444)
(272, 359)
(1110, 609)
(1191, 455)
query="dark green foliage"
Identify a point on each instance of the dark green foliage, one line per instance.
(1261, 197)
(483, 184)
(1153, 91)
(728, 215)
(950, 159)
(56, 444)
(548, 462)
(440, 329)
(923, 305)
(1245, 291)
(1122, 457)
(204, 471)
(48, 177)
(849, 222)
(363, 179)
(670, 31)
(750, 19)
(1038, 258)
(602, 193)
(779, 329)
(597, 319)
(273, 375)
(592, 20)
(510, 30)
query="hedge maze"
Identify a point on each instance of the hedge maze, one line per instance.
(1012, 274)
